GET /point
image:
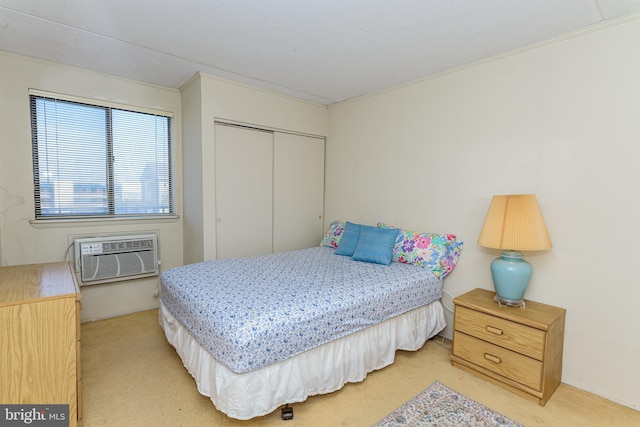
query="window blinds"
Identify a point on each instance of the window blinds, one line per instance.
(99, 161)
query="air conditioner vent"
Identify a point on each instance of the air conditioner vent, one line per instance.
(115, 258)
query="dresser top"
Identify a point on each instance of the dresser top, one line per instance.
(534, 314)
(23, 283)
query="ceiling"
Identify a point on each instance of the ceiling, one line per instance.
(324, 51)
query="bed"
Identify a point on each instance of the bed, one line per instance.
(260, 332)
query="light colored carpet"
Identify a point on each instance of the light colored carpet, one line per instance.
(439, 406)
(133, 377)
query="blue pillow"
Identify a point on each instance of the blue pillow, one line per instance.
(375, 245)
(349, 239)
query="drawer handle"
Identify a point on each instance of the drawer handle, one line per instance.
(493, 330)
(492, 358)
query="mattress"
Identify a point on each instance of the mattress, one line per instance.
(250, 313)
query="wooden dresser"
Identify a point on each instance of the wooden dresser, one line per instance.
(40, 336)
(517, 348)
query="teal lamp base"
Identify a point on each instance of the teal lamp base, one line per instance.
(511, 275)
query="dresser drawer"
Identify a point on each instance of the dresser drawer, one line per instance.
(509, 364)
(514, 336)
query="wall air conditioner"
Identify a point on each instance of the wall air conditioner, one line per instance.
(116, 258)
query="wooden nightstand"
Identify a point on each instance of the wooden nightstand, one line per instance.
(519, 349)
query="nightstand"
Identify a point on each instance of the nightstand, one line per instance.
(519, 349)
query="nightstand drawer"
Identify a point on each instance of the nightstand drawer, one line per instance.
(509, 364)
(514, 336)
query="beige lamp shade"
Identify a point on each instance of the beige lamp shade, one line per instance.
(514, 222)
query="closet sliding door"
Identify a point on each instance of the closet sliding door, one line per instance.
(298, 185)
(269, 191)
(243, 191)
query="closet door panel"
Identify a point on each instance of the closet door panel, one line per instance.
(298, 191)
(244, 191)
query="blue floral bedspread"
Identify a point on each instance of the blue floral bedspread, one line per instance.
(253, 312)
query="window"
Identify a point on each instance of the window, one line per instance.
(99, 161)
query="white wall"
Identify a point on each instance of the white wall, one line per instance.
(205, 99)
(23, 242)
(561, 120)
(193, 190)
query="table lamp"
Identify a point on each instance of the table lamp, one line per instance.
(514, 223)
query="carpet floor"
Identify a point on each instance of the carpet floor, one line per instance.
(133, 377)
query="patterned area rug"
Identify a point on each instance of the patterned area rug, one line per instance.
(440, 406)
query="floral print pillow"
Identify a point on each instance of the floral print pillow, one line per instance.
(438, 252)
(332, 237)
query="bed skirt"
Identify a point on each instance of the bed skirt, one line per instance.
(323, 369)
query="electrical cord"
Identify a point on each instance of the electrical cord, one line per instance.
(443, 340)
(444, 304)
(66, 254)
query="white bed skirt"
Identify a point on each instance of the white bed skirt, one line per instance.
(323, 369)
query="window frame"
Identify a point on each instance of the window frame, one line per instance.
(112, 215)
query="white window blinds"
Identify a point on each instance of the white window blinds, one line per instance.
(99, 161)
